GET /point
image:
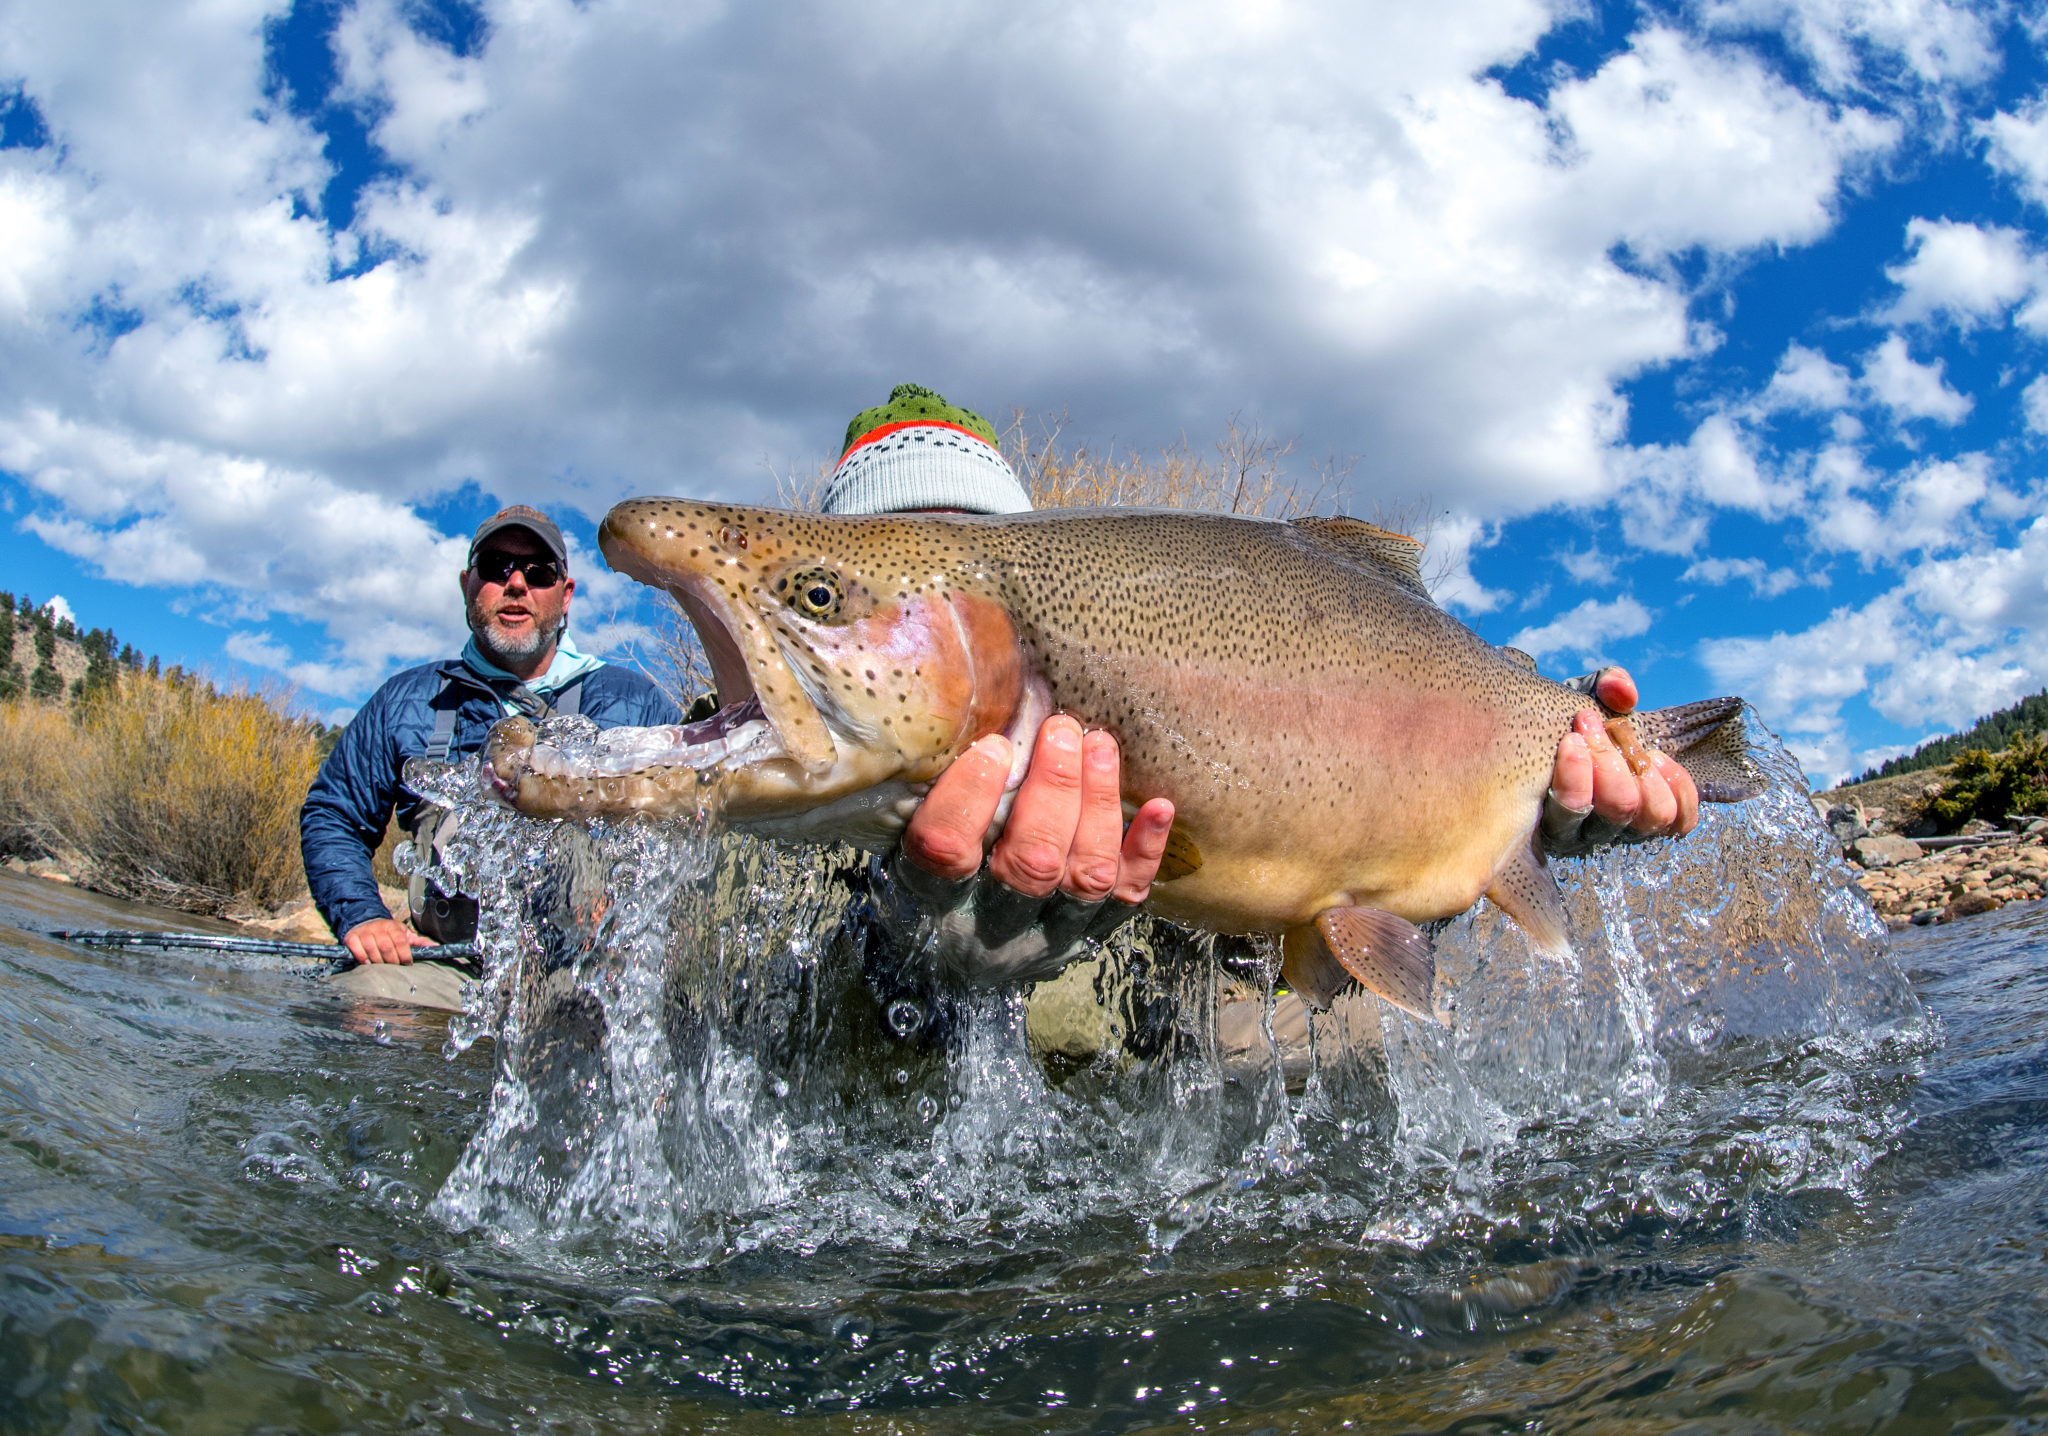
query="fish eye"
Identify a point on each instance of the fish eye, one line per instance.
(815, 593)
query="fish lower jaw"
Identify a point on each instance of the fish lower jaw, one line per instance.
(734, 736)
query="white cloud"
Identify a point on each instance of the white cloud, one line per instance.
(2034, 404)
(1763, 580)
(1585, 631)
(1666, 490)
(1910, 389)
(590, 278)
(1590, 567)
(1447, 564)
(2019, 147)
(1935, 42)
(1806, 380)
(59, 610)
(1761, 159)
(1951, 642)
(259, 650)
(1968, 274)
(1930, 508)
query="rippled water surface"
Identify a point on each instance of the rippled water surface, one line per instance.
(689, 1164)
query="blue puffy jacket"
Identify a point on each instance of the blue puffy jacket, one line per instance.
(351, 801)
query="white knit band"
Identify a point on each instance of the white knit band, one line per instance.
(925, 466)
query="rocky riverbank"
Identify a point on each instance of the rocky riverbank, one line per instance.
(1908, 885)
(1914, 877)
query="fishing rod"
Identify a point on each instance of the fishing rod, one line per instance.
(337, 957)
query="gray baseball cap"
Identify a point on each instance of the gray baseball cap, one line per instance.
(519, 516)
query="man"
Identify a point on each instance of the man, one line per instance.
(519, 659)
(1066, 865)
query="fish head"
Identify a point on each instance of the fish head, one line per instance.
(875, 649)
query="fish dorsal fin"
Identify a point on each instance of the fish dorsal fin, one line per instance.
(1396, 557)
(1516, 656)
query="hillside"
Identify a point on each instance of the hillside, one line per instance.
(44, 656)
(1992, 733)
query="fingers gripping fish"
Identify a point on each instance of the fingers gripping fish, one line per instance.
(1345, 759)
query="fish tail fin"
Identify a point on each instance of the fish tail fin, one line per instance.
(1524, 889)
(1707, 740)
(1386, 955)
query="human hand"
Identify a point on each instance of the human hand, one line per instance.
(383, 939)
(1596, 797)
(1066, 829)
(1064, 853)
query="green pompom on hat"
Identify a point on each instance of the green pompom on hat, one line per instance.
(910, 403)
(919, 452)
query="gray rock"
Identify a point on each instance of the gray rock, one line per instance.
(1884, 852)
(1976, 828)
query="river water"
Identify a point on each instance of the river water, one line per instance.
(1746, 1164)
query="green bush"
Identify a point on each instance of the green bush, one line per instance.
(1992, 785)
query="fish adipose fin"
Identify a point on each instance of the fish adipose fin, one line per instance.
(1395, 557)
(1708, 741)
(1524, 889)
(1386, 955)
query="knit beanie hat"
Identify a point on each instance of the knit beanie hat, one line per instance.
(919, 452)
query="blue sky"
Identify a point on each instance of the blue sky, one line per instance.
(1713, 332)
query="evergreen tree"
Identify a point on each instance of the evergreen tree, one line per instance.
(44, 682)
(11, 681)
(100, 671)
(1992, 733)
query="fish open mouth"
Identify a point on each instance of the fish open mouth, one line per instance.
(734, 736)
(740, 733)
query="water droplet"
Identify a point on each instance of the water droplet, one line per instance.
(927, 1109)
(901, 1077)
(905, 1017)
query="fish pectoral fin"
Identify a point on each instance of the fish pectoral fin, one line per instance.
(1386, 955)
(1182, 856)
(1524, 889)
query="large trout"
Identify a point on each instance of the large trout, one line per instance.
(1345, 759)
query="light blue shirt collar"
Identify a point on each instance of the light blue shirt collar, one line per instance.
(568, 664)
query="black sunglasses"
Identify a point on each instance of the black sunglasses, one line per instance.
(495, 566)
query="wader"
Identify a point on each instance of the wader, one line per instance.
(451, 917)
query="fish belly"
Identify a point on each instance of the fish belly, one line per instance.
(1304, 790)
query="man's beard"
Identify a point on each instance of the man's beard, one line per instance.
(497, 644)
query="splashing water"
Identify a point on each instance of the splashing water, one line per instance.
(701, 1050)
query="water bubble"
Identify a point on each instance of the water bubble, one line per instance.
(905, 1017)
(927, 1109)
(901, 1077)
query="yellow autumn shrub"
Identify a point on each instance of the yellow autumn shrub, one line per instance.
(172, 791)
